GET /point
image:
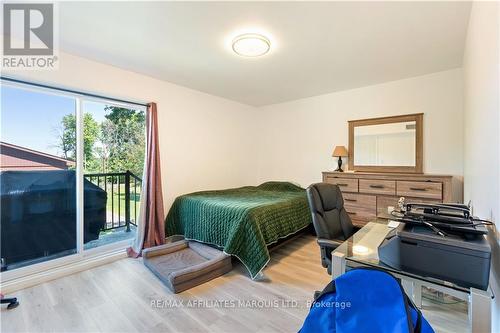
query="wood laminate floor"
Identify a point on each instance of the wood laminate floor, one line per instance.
(125, 297)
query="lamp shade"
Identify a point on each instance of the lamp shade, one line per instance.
(339, 151)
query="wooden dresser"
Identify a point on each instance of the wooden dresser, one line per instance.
(368, 195)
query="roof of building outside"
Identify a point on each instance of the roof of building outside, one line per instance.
(10, 145)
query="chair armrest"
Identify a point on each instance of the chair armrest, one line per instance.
(333, 244)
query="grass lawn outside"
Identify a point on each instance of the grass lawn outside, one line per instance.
(116, 202)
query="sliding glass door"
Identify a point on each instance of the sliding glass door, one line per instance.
(70, 175)
(113, 164)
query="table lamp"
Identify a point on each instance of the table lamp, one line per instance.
(339, 151)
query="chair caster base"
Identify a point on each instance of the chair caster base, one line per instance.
(12, 305)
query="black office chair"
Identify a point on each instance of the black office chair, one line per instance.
(330, 219)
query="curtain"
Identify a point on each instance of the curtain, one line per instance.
(151, 222)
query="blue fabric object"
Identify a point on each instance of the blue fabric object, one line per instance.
(364, 300)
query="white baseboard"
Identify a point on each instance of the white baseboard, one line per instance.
(31, 280)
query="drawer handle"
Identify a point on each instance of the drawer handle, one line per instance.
(352, 200)
(418, 189)
(351, 213)
(377, 186)
(341, 184)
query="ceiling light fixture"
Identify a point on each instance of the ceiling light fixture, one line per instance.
(251, 45)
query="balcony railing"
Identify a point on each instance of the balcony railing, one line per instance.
(124, 191)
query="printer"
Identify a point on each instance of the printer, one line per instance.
(459, 255)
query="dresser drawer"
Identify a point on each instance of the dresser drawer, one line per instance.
(360, 206)
(384, 202)
(345, 184)
(376, 186)
(361, 219)
(429, 190)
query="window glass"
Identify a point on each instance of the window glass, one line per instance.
(37, 176)
(113, 160)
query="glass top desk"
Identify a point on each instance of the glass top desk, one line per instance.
(362, 250)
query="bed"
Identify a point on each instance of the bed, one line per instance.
(242, 221)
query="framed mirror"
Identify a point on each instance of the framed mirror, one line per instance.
(388, 144)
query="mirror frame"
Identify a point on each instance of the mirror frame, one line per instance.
(417, 117)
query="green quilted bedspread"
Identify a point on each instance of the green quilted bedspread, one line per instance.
(242, 221)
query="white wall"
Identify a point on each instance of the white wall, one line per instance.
(298, 137)
(482, 124)
(481, 104)
(209, 142)
(205, 141)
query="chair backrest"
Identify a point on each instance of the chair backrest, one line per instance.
(330, 218)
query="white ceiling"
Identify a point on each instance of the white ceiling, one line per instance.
(318, 47)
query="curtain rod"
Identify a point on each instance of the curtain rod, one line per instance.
(39, 85)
